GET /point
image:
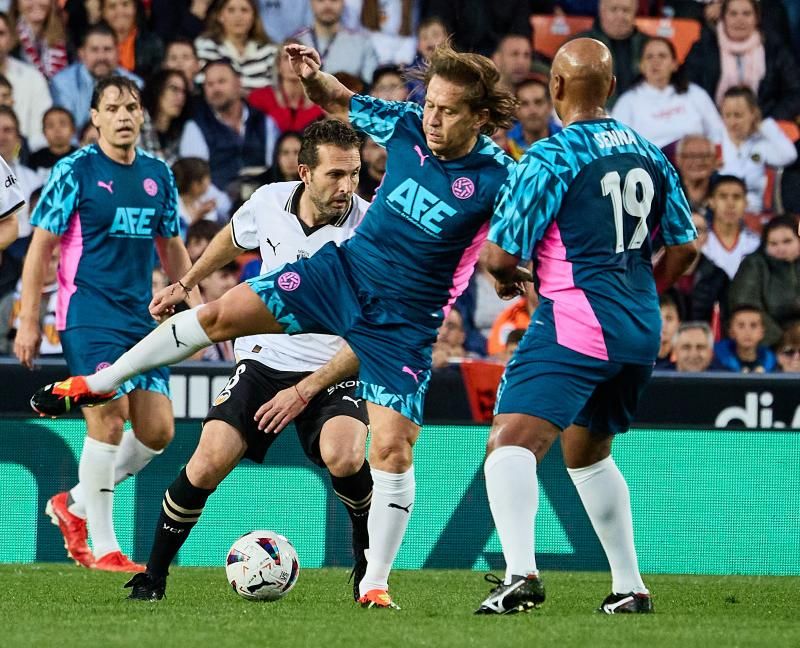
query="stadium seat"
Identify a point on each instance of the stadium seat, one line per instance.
(550, 32)
(683, 32)
(790, 129)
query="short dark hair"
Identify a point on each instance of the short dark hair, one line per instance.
(515, 337)
(224, 62)
(98, 29)
(180, 40)
(727, 179)
(188, 170)
(745, 308)
(326, 131)
(117, 81)
(385, 70)
(777, 222)
(58, 109)
(743, 92)
(9, 112)
(534, 79)
(665, 299)
(202, 229)
(431, 20)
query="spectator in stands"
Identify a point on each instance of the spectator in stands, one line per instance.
(729, 241)
(59, 131)
(41, 35)
(769, 279)
(286, 103)
(431, 33)
(449, 343)
(159, 280)
(198, 199)
(88, 135)
(284, 18)
(166, 111)
(225, 130)
(139, 50)
(181, 55)
(234, 32)
(390, 25)
(6, 92)
(31, 94)
(670, 321)
(184, 19)
(693, 347)
(513, 58)
(696, 161)
(743, 351)
(788, 353)
(80, 15)
(478, 25)
(388, 83)
(749, 144)
(199, 236)
(373, 166)
(515, 316)
(212, 288)
(685, 288)
(661, 105)
(534, 116)
(512, 342)
(341, 49)
(736, 53)
(616, 27)
(284, 160)
(98, 58)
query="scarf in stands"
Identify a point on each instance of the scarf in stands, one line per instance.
(741, 62)
(48, 59)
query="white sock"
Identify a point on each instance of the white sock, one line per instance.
(96, 474)
(174, 340)
(392, 503)
(605, 497)
(132, 456)
(513, 492)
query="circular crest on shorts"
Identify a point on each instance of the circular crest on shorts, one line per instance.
(150, 187)
(101, 366)
(463, 188)
(289, 281)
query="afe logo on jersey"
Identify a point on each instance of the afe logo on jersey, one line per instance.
(418, 204)
(132, 222)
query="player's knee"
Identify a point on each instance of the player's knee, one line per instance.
(160, 437)
(203, 471)
(536, 438)
(395, 455)
(343, 454)
(212, 318)
(346, 464)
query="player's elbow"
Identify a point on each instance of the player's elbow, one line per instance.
(499, 263)
(8, 231)
(684, 255)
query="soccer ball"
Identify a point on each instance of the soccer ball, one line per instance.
(262, 566)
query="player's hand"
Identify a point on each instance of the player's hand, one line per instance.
(276, 414)
(514, 287)
(165, 300)
(26, 343)
(305, 61)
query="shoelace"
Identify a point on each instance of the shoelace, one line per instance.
(494, 580)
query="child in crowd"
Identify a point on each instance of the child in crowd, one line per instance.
(198, 199)
(670, 321)
(59, 131)
(743, 351)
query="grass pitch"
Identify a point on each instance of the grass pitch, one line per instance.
(63, 606)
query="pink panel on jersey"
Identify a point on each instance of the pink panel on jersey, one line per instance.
(466, 266)
(577, 327)
(71, 251)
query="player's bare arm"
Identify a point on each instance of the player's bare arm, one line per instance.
(673, 263)
(323, 89)
(26, 343)
(8, 231)
(509, 276)
(276, 414)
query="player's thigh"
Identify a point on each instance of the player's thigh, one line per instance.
(342, 445)
(531, 432)
(151, 417)
(105, 423)
(581, 448)
(221, 447)
(393, 438)
(239, 312)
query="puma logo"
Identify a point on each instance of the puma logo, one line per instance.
(177, 341)
(412, 373)
(407, 509)
(107, 185)
(106, 490)
(355, 401)
(421, 156)
(274, 247)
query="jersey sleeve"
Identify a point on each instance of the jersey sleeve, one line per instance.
(676, 223)
(12, 197)
(377, 117)
(59, 198)
(169, 225)
(528, 202)
(244, 228)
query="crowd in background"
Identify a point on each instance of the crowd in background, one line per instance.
(224, 109)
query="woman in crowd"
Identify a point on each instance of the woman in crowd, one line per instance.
(662, 106)
(166, 110)
(788, 351)
(140, 50)
(286, 103)
(770, 278)
(736, 53)
(234, 32)
(41, 35)
(284, 159)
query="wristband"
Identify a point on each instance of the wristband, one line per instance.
(300, 396)
(185, 289)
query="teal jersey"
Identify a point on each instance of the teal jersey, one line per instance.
(107, 215)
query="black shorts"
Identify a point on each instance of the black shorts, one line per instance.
(252, 384)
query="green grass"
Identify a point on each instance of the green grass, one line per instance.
(62, 606)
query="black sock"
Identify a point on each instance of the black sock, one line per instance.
(355, 492)
(180, 510)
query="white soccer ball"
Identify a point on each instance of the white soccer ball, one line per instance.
(262, 566)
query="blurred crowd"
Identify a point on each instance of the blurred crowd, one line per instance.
(225, 111)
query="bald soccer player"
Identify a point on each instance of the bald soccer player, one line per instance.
(581, 204)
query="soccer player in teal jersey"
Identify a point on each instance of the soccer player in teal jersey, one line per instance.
(106, 204)
(582, 204)
(386, 290)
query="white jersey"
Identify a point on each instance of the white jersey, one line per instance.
(12, 197)
(269, 221)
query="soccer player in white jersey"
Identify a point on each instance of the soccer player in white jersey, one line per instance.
(11, 200)
(287, 221)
